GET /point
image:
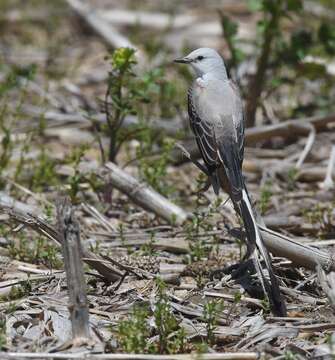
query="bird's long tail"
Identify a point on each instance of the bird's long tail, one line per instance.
(259, 253)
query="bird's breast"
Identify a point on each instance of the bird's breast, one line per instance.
(213, 99)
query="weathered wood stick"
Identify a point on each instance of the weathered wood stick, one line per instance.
(328, 182)
(327, 282)
(99, 25)
(295, 127)
(309, 144)
(85, 355)
(157, 20)
(108, 33)
(300, 254)
(69, 231)
(142, 194)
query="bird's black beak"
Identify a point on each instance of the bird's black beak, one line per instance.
(183, 60)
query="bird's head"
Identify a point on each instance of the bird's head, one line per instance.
(203, 61)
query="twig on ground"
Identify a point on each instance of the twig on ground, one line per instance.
(102, 28)
(157, 20)
(308, 146)
(328, 182)
(142, 194)
(299, 254)
(327, 282)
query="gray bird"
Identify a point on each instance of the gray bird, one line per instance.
(217, 119)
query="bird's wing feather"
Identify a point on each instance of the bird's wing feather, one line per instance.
(238, 114)
(204, 135)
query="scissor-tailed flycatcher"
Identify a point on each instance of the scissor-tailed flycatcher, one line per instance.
(217, 120)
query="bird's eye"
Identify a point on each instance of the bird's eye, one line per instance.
(200, 57)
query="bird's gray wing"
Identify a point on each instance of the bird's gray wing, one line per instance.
(204, 135)
(238, 114)
(205, 139)
(229, 155)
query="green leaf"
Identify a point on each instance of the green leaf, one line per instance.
(326, 35)
(123, 58)
(255, 5)
(294, 5)
(313, 71)
(229, 27)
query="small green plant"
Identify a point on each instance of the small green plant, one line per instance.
(3, 337)
(7, 144)
(43, 171)
(77, 178)
(36, 252)
(199, 248)
(126, 94)
(133, 333)
(119, 98)
(18, 291)
(201, 348)
(323, 217)
(148, 248)
(121, 232)
(96, 247)
(154, 170)
(265, 197)
(171, 337)
(291, 178)
(15, 80)
(266, 306)
(11, 308)
(289, 355)
(237, 300)
(212, 310)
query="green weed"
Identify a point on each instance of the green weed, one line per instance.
(154, 170)
(201, 222)
(77, 178)
(36, 252)
(148, 248)
(323, 217)
(3, 337)
(212, 311)
(265, 197)
(133, 333)
(18, 291)
(167, 324)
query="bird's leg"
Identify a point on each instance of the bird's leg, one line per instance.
(194, 161)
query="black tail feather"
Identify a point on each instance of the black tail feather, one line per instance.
(215, 182)
(259, 252)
